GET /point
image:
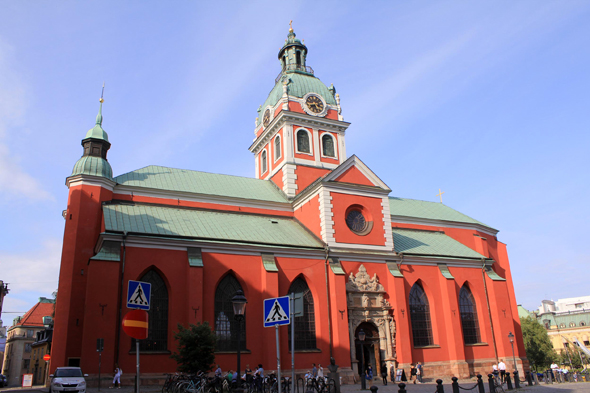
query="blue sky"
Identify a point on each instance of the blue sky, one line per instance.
(486, 100)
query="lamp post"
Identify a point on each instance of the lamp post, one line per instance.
(362, 337)
(239, 303)
(511, 338)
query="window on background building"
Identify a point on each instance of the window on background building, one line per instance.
(277, 148)
(303, 142)
(468, 316)
(328, 146)
(579, 305)
(27, 348)
(26, 364)
(305, 325)
(566, 345)
(263, 159)
(586, 343)
(420, 317)
(158, 315)
(572, 324)
(582, 323)
(226, 327)
(30, 333)
(562, 325)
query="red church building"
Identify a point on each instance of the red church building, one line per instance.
(424, 281)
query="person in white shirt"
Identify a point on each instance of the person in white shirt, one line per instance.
(320, 372)
(502, 368)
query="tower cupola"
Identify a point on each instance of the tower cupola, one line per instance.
(292, 55)
(94, 158)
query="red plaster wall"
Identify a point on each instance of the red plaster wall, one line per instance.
(354, 176)
(309, 215)
(342, 234)
(277, 179)
(307, 175)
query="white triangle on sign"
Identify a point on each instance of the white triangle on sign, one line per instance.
(276, 313)
(138, 298)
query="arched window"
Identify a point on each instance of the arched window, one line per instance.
(157, 339)
(277, 147)
(582, 323)
(420, 317)
(226, 327)
(303, 142)
(328, 146)
(298, 58)
(468, 316)
(305, 325)
(263, 161)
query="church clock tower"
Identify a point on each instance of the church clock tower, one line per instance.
(299, 129)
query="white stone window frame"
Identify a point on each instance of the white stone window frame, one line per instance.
(262, 169)
(274, 141)
(323, 113)
(334, 140)
(309, 136)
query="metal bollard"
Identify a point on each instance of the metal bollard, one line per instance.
(402, 387)
(374, 389)
(491, 383)
(439, 386)
(455, 385)
(508, 381)
(516, 380)
(480, 384)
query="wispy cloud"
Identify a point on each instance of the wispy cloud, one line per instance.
(15, 181)
(30, 275)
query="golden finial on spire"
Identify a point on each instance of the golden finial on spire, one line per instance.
(101, 100)
(290, 26)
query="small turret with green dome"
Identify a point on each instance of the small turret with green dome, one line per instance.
(96, 144)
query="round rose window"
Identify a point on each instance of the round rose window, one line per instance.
(357, 222)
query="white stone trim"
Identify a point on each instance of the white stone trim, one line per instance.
(78, 180)
(326, 215)
(316, 142)
(443, 223)
(289, 180)
(364, 169)
(387, 222)
(263, 171)
(334, 141)
(311, 141)
(314, 164)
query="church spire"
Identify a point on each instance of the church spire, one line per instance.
(293, 54)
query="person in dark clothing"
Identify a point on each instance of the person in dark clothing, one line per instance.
(384, 373)
(392, 372)
(413, 372)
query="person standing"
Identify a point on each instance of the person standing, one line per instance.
(314, 371)
(320, 372)
(392, 372)
(369, 375)
(413, 372)
(259, 376)
(502, 369)
(117, 377)
(419, 372)
(384, 373)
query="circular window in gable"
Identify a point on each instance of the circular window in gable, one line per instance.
(358, 220)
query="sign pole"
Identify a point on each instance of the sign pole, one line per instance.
(137, 360)
(99, 363)
(278, 359)
(292, 298)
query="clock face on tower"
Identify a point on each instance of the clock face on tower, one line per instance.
(266, 118)
(314, 104)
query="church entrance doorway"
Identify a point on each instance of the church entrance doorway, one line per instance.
(370, 350)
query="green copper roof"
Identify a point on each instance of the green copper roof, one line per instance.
(429, 210)
(207, 224)
(300, 85)
(430, 243)
(195, 258)
(95, 166)
(110, 251)
(97, 132)
(162, 178)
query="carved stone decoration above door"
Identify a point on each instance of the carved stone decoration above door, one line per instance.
(366, 303)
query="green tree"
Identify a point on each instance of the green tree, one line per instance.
(196, 348)
(538, 346)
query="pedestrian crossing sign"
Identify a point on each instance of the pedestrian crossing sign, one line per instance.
(276, 311)
(138, 295)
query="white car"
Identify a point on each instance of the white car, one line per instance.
(68, 379)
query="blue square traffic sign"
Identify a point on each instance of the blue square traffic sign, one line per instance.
(138, 295)
(276, 311)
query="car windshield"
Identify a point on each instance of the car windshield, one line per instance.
(68, 372)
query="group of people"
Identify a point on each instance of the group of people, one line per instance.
(416, 373)
(316, 372)
(500, 369)
(251, 377)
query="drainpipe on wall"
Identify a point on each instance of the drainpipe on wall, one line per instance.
(327, 250)
(118, 336)
(483, 276)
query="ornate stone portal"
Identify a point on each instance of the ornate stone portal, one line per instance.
(366, 303)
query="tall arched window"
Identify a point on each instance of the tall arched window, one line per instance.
(305, 325)
(420, 317)
(328, 146)
(298, 58)
(226, 327)
(277, 147)
(468, 316)
(303, 142)
(157, 339)
(263, 161)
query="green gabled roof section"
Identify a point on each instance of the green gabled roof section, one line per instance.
(110, 251)
(153, 220)
(269, 262)
(300, 84)
(195, 258)
(492, 274)
(182, 180)
(444, 269)
(413, 208)
(430, 243)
